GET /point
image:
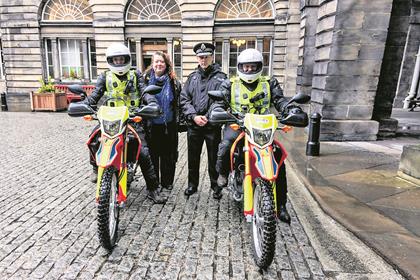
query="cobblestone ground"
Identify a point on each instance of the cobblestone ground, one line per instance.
(49, 228)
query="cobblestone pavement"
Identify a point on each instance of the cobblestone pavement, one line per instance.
(49, 228)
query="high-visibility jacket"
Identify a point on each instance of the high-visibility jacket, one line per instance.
(240, 96)
(115, 88)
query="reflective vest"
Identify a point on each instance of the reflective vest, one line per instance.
(240, 96)
(115, 88)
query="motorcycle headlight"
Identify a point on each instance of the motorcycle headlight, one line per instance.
(111, 127)
(262, 137)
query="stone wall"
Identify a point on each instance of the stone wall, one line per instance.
(21, 51)
(391, 64)
(409, 59)
(350, 41)
(308, 26)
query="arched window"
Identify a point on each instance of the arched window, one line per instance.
(244, 9)
(67, 10)
(146, 10)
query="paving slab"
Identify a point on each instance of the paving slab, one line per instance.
(357, 184)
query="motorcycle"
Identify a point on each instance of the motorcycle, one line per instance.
(117, 132)
(254, 168)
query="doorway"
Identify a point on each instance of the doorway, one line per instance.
(149, 47)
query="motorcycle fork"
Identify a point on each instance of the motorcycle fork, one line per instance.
(247, 184)
(122, 176)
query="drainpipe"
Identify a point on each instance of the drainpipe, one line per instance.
(414, 82)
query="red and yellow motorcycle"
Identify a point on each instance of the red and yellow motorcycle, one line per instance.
(254, 169)
(116, 130)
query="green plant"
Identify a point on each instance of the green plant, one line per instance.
(46, 86)
(73, 74)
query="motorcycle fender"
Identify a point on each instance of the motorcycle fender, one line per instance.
(266, 166)
(98, 182)
(110, 152)
(122, 185)
(232, 149)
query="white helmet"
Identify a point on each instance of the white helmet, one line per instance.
(249, 56)
(118, 49)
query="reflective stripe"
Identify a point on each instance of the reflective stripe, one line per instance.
(237, 96)
(109, 87)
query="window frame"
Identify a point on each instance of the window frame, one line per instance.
(2, 70)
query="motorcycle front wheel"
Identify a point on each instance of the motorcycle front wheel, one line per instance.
(108, 210)
(263, 224)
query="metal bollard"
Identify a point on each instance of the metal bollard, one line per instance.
(312, 146)
(3, 102)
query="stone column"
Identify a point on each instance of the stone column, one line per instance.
(393, 56)
(292, 47)
(225, 55)
(20, 35)
(409, 54)
(85, 60)
(308, 24)
(193, 17)
(350, 41)
(56, 59)
(109, 27)
(260, 43)
(139, 55)
(169, 42)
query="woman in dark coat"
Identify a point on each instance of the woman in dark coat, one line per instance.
(162, 132)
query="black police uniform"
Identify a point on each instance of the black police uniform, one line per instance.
(195, 101)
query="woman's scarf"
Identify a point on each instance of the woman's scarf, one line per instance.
(164, 98)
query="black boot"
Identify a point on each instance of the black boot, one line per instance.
(217, 192)
(94, 175)
(283, 215)
(156, 197)
(190, 190)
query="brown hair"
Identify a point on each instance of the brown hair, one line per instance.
(169, 69)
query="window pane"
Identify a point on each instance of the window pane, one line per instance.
(232, 59)
(218, 59)
(266, 57)
(177, 59)
(65, 72)
(219, 45)
(266, 45)
(244, 9)
(71, 55)
(251, 44)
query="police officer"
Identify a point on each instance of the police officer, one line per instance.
(195, 104)
(239, 90)
(112, 84)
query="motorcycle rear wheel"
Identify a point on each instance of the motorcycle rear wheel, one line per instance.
(263, 226)
(108, 210)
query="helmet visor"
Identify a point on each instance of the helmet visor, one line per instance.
(250, 68)
(118, 60)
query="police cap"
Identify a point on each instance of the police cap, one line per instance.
(204, 49)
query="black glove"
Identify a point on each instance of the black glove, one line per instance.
(291, 108)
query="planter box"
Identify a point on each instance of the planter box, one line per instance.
(71, 97)
(48, 101)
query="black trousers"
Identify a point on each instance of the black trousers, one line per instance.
(223, 163)
(196, 137)
(144, 161)
(163, 141)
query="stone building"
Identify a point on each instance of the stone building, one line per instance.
(355, 57)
